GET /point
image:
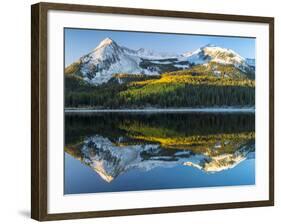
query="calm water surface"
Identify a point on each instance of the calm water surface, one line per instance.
(111, 152)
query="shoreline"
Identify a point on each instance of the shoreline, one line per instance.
(164, 110)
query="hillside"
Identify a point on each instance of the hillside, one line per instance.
(167, 90)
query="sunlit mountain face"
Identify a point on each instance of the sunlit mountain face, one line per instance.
(113, 145)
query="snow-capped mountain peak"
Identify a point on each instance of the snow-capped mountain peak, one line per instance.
(105, 42)
(216, 53)
(213, 53)
(107, 59)
(222, 53)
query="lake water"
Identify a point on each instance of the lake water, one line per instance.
(113, 152)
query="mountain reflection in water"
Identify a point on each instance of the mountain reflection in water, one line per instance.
(113, 144)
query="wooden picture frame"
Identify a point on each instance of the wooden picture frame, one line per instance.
(39, 110)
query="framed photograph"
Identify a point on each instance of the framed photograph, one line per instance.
(139, 111)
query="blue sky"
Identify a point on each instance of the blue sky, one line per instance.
(79, 42)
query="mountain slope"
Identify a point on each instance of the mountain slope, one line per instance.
(108, 58)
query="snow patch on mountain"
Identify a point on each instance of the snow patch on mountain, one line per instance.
(150, 54)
